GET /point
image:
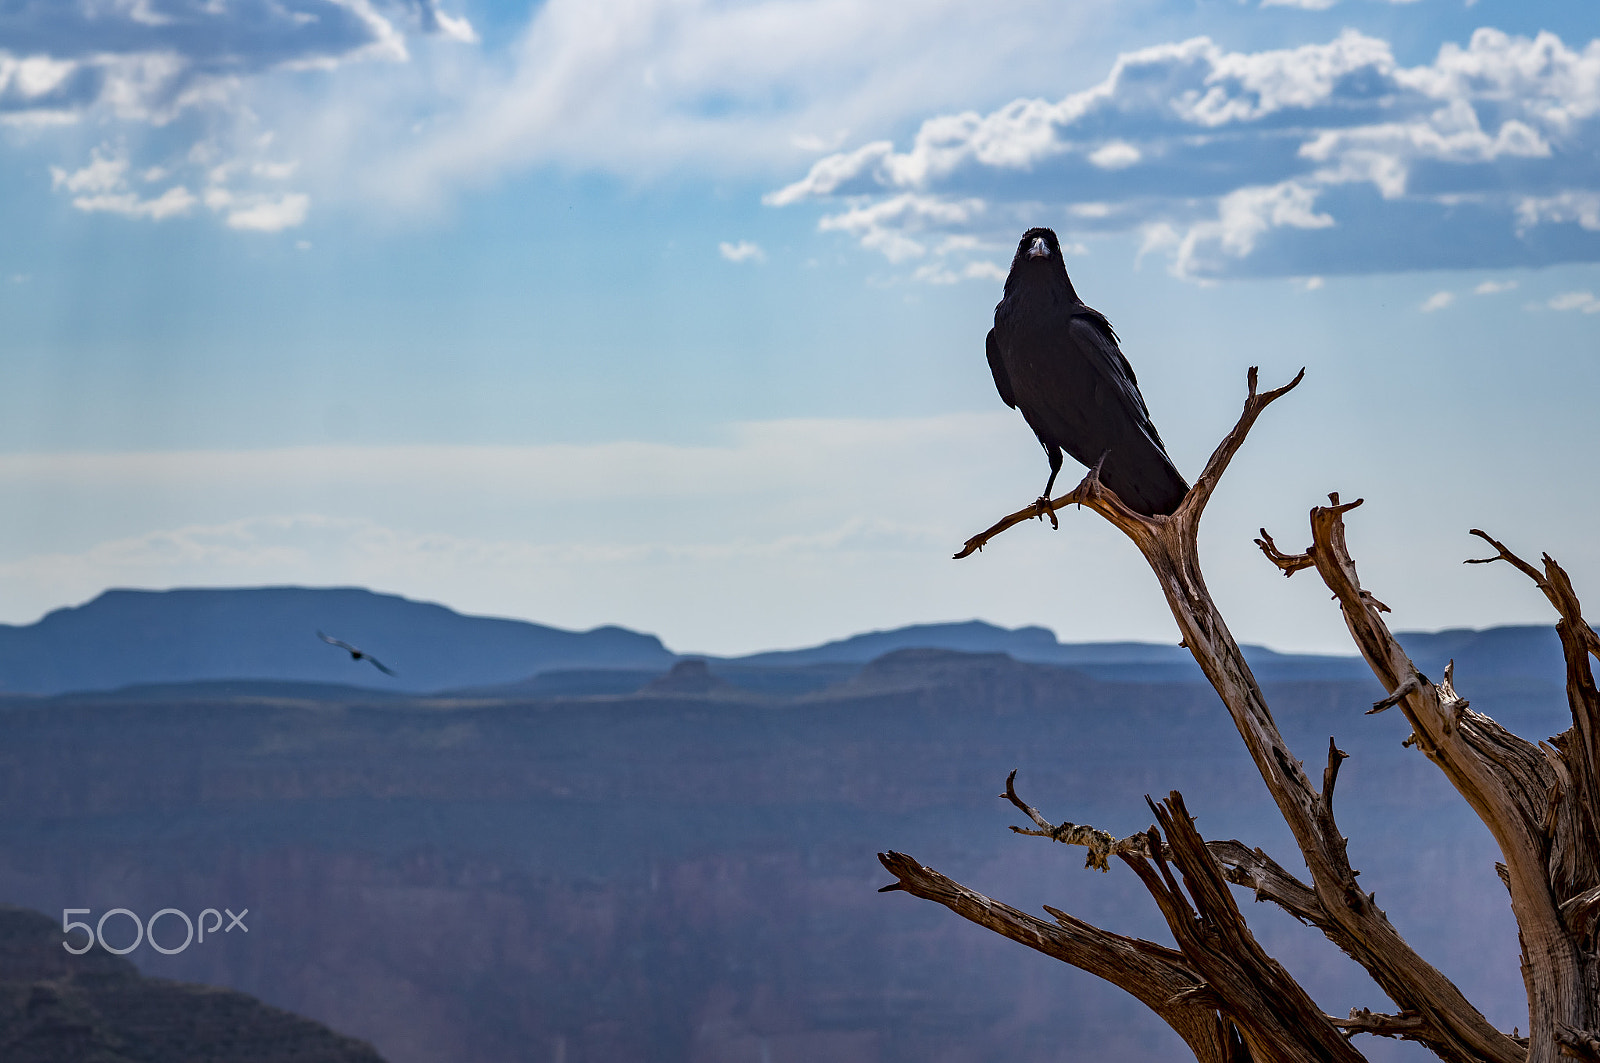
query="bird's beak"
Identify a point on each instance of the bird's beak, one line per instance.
(1039, 248)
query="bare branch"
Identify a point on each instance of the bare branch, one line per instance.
(1446, 1021)
(1094, 494)
(1158, 976)
(1330, 774)
(1195, 501)
(1411, 685)
(1275, 1016)
(1502, 554)
(1580, 912)
(1504, 778)
(1101, 844)
(1405, 1026)
(1289, 563)
(1040, 508)
(1090, 491)
(1579, 1044)
(1241, 865)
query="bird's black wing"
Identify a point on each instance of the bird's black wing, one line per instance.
(1079, 393)
(997, 366)
(1095, 340)
(337, 642)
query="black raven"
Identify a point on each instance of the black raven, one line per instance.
(1058, 362)
(355, 654)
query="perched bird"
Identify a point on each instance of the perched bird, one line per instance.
(355, 654)
(1058, 362)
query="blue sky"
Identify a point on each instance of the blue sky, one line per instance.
(669, 313)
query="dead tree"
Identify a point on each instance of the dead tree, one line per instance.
(1219, 989)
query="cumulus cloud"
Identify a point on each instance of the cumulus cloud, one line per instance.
(743, 251)
(1333, 156)
(107, 185)
(152, 65)
(268, 214)
(103, 186)
(1584, 302)
(150, 59)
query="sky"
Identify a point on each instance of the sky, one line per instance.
(670, 313)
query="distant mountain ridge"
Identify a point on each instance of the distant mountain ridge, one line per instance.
(127, 638)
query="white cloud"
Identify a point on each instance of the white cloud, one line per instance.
(1494, 287)
(743, 251)
(146, 66)
(370, 107)
(887, 225)
(1304, 5)
(1584, 301)
(271, 215)
(1234, 148)
(1243, 217)
(154, 59)
(102, 186)
(939, 273)
(1582, 207)
(1116, 155)
(1437, 301)
(644, 86)
(758, 535)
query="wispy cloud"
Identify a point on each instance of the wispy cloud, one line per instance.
(152, 60)
(1437, 301)
(1584, 302)
(103, 185)
(743, 251)
(1263, 162)
(148, 66)
(396, 104)
(758, 535)
(1494, 287)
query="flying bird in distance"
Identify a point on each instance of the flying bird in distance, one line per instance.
(1057, 361)
(355, 654)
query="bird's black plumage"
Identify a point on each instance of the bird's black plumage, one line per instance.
(355, 654)
(1057, 361)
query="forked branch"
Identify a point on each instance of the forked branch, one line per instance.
(1504, 778)
(1093, 493)
(1240, 864)
(1431, 1009)
(1158, 976)
(1275, 1016)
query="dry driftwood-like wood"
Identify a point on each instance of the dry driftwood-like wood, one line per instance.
(1155, 974)
(1541, 803)
(1277, 1019)
(1538, 803)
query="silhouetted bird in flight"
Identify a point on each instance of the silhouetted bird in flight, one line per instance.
(355, 654)
(1058, 362)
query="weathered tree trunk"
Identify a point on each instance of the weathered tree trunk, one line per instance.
(1219, 990)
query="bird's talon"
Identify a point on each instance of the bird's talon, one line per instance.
(1047, 510)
